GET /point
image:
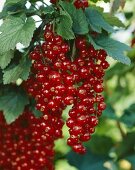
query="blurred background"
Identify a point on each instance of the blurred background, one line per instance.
(112, 146)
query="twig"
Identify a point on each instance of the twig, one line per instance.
(73, 52)
(123, 134)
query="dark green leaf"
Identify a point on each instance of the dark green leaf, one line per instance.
(129, 15)
(100, 0)
(1, 76)
(126, 147)
(91, 40)
(96, 21)
(114, 48)
(100, 145)
(109, 113)
(131, 159)
(64, 26)
(88, 161)
(80, 25)
(47, 10)
(6, 58)
(12, 104)
(37, 113)
(15, 30)
(14, 1)
(128, 116)
(20, 71)
(109, 18)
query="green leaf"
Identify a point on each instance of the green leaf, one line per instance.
(47, 10)
(1, 76)
(126, 147)
(100, 145)
(109, 113)
(12, 7)
(6, 58)
(128, 116)
(99, 0)
(91, 40)
(88, 161)
(37, 113)
(131, 159)
(20, 71)
(112, 20)
(114, 48)
(64, 26)
(96, 21)
(14, 1)
(16, 30)
(80, 25)
(12, 104)
(118, 69)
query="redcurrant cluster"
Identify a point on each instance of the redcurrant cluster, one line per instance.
(77, 3)
(27, 144)
(58, 81)
(81, 4)
(53, 1)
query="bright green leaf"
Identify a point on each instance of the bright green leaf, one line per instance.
(96, 21)
(112, 20)
(64, 26)
(15, 30)
(114, 48)
(12, 104)
(80, 25)
(20, 71)
(6, 58)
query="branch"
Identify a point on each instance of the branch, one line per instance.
(123, 134)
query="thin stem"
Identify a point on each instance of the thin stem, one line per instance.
(44, 3)
(73, 52)
(121, 129)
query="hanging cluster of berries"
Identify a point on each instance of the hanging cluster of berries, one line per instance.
(81, 4)
(58, 80)
(27, 144)
(77, 3)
